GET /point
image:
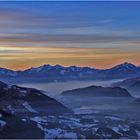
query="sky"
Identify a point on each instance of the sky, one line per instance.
(95, 34)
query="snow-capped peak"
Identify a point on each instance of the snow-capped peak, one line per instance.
(58, 67)
(124, 68)
(125, 65)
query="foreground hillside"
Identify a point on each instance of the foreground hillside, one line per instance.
(86, 126)
(28, 101)
(28, 113)
(12, 127)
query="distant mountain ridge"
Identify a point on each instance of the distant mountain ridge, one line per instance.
(125, 68)
(51, 73)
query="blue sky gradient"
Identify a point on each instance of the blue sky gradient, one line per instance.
(98, 34)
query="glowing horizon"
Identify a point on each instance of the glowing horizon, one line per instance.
(82, 34)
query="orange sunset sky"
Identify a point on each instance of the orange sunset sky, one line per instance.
(96, 34)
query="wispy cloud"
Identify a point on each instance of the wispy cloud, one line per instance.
(85, 33)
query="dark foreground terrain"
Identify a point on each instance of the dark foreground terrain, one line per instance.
(28, 113)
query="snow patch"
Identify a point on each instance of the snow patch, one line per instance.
(38, 119)
(68, 135)
(28, 107)
(59, 133)
(138, 133)
(11, 109)
(24, 120)
(113, 118)
(2, 123)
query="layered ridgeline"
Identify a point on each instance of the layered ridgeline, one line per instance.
(97, 91)
(28, 113)
(49, 73)
(26, 102)
(100, 98)
(131, 84)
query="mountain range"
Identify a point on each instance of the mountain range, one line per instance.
(26, 113)
(49, 73)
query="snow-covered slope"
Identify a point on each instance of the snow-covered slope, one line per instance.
(12, 127)
(7, 72)
(28, 101)
(125, 68)
(49, 73)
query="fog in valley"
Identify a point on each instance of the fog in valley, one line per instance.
(56, 88)
(113, 106)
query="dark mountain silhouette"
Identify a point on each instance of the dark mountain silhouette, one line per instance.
(132, 85)
(12, 127)
(98, 91)
(28, 101)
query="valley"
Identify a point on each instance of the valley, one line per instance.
(98, 109)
